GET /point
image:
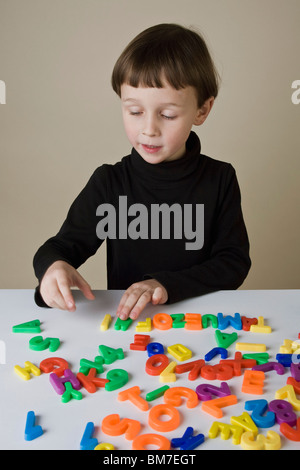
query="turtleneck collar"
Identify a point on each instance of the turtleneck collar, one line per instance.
(175, 170)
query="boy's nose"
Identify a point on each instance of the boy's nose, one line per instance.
(151, 128)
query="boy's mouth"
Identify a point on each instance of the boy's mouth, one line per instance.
(151, 148)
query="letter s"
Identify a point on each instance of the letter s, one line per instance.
(296, 95)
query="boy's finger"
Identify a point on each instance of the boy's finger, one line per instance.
(157, 295)
(66, 297)
(139, 303)
(121, 305)
(84, 287)
(54, 298)
(127, 304)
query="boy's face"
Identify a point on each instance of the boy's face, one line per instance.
(158, 121)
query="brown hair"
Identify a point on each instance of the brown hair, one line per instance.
(167, 52)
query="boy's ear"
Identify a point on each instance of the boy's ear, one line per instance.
(204, 111)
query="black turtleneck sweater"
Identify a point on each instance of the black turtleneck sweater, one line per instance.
(223, 261)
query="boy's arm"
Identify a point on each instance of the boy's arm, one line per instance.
(76, 241)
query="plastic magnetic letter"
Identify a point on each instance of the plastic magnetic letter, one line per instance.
(117, 378)
(289, 432)
(213, 352)
(208, 318)
(155, 348)
(213, 407)
(173, 396)
(178, 320)
(104, 446)
(228, 320)
(70, 393)
(157, 424)
(144, 326)
(259, 347)
(224, 340)
(249, 442)
(133, 394)
(226, 430)
(206, 391)
(193, 321)
(167, 375)
(88, 442)
(294, 383)
(286, 347)
(268, 366)
(32, 431)
(143, 442)
(114, 426)
(188, 441)
(140, 343)
(194, 368)
(105, 322)
(156, 364)
(272, 441)
(245, 421)
(261, 442)
(239, 363)
(86, 365)
(295, 371)
(58, 383)
(24, 372)
(32, 326)
(258, 408)
(48, 365)
(253, 382)
(260, 327)
(158, 392)
(247, 322)
(90, 382)
(283, 411)
(288, 392)
(180, 352)
(217, 372)
(110, 355)
(123, 324)
(38, 343)
(260, 358)
(162, 321)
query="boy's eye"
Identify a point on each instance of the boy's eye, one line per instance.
(168, 117)
(138, 113)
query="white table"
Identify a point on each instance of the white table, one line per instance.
(80, 336)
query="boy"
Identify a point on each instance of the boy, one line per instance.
(172, 217)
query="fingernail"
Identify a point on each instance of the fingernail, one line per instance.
(133, 316)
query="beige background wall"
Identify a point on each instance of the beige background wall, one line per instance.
(61, 118)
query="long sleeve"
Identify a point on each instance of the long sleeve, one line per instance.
(228, 263)
(76, 240)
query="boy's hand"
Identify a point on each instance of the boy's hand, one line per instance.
(55, 287)
(138, 295)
